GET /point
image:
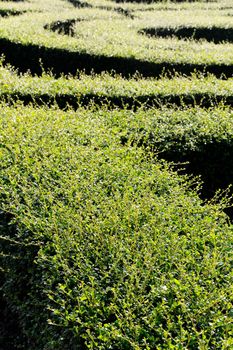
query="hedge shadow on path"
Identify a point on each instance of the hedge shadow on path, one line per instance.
(63, 27)
(210, 159)
(10, 331)
(9, 12)
(79, 4)
(64, 101)
(213, 161)
(161, 1)
(26, 57)
(211, 34)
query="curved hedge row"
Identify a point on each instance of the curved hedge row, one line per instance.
(102, 248)
(121, 49)
(102, 244)
(113, 90)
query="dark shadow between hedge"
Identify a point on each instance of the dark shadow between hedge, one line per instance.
(17, 260)
(9, 12)
(211, 34)
(79, 4)
(64, 101)
(120, 10)
(9, 321)
(211, 160)
(63, 27)
(161, 1)
(60, 61)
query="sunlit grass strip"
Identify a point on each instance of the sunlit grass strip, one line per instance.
(108, 248)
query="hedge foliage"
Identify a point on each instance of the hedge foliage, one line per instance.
(121, 48)
(114, 90)
(104, 247)
(103, 244)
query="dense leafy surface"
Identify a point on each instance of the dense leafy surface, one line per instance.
(104, 244)
(113, 90)
(121, 47)
(122, 254)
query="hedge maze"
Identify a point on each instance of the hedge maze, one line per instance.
(116, 173)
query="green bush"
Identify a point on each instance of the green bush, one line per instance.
(103, 245)
(113, 90)
(107, 248)
(25, 40)
(197, 140)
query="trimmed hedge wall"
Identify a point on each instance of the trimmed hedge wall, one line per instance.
(107, 248)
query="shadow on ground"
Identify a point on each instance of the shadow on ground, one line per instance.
(29, 57)
(211, 34)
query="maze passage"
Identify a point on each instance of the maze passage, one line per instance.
(79, 4)
(63, 27)
(214, 34)
(116, 174)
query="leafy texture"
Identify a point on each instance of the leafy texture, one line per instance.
(107, 249)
